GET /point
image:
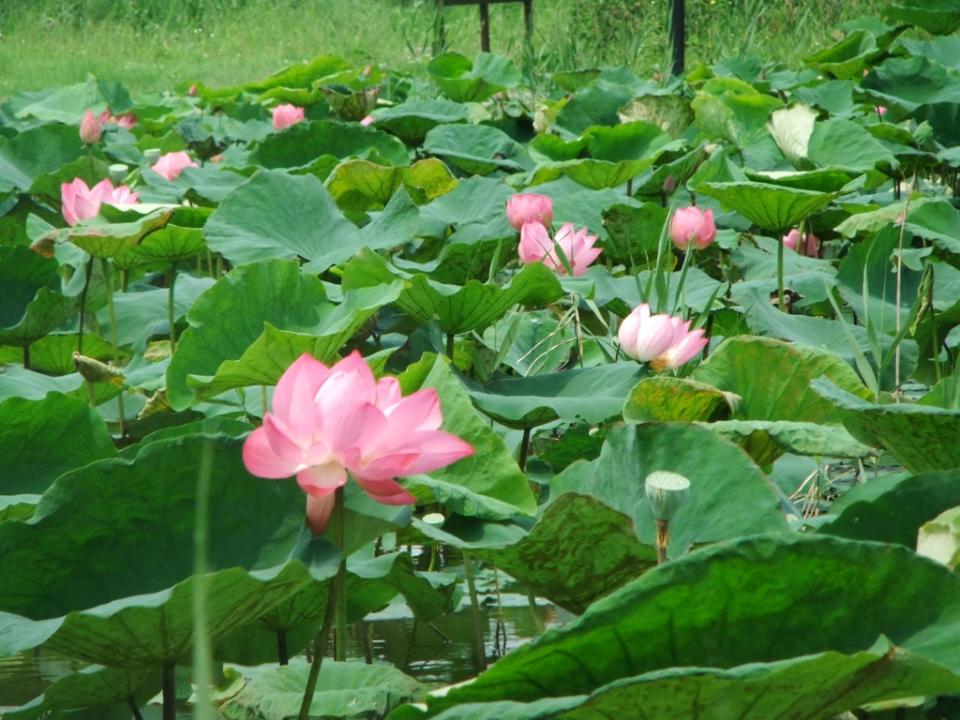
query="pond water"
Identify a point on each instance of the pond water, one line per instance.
(438, 653)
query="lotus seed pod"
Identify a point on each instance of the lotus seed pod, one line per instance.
(151, 155)
(118, 172)
(939, 539)
(666, 492)
(434, 518)
(93, 370)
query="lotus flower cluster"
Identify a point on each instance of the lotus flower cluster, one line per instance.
(692, 227)
(79, 202)
(327, 422)
(577, 247)
(172, 164)
(286, 115)
(664, 341)
(808, 244)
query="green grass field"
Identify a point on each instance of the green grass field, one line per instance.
(151, 45)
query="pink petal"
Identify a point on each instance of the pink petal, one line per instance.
(293, 399)
(388, 466)
(320, 480)
(419, 411)
(535, 243)
(261, 460)
(437, 449)
(353, 426)
(386, 492)
(388, 393)
(285, 447)
(654, 337)
(319, 510)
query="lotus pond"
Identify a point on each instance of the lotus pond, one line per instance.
(603, 396)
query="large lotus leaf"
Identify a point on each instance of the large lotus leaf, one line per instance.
(624, 293)
(37, 151)
(142, 314)
(936, 220)
(847, 144)
(812, 278)
(595, 104)
(93, 686)
(772, 598)
(593, 394)
(30, 428)
(729, 496)
(772, 207)
(32, 303)
(892, 508)
(67, 103)
(670, 399)
(300, 75)
(205, 185)
(475, 149)
(163, 248)
(464, 81)
(88, 168)
(766, 440)
(457, 309)
(773, 378)
(846, 58)
(825, 179)
(920, 437)
(275, 215)
(413, 119)
(488, 484)
(344, 690)
(17, 507)
(842, 338)
(938, 17)
(151, 629)
(117, 528)
(477, 204)
(672, 169)
(302, 143)
(591, 173)
(274, 350)
(109, 239)
(730, 109)
(361, 185)
(912, 82)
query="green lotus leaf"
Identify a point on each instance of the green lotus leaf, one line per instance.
(464, 81)
(301, 75)
(344, 690)
(488, 484)
(53, 354)
(90, 169)
(784, 392)
(772, 207)
(107, 240)
(766, 440)
(671, 169)
(475, 149)
(361, 185)
(846, 58)
(730, 109)
(669, 399)
(921, 437)
(593, 174)
(29, 428)
(937, 17)
(592, 394)
(255, 321)
(37, 151)
(936, 220)
(17, 507)
(914, 603)
(163, 248)
(301, 144)
(412, 120)
(912, 82)
(847, 144)
(826, 179)
(596, 104)
(33, 304)
(729, 496)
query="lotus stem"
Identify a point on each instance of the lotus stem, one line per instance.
(663, 539)
(283, 654)
(681, 283)
(524, 449)
(450, 339)
(83, 304)
(781, 300)
(320, 640)
(108, 276)
(479, 650)
(26, 356)
(666, 492)
(339, 517)
(202, 655)
(169, 692)
(132, 704)
(171, 312)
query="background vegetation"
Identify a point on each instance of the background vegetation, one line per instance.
(155, 44)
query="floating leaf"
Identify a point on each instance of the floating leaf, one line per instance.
(475, 149)
(772, 207)
(669, 399)
(464, 81)
(32, 303)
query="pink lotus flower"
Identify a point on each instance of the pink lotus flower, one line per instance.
(172, 164)
(126, 121)
(536, 246)
(692, 227)
(328, 422)
(286, 115)
(664, 341)
(79, 202)
(90, 129)
(881, 110)
(526, 208)
(192, 91)
(368, 120)
(810, 245)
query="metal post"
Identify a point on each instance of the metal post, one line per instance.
(677, 35)
(484, 27)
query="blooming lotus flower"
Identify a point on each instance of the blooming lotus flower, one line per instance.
(808, 244)
(327, 422)
(692, 227)
(90, 129)
(664, 341)
(286, 115)
(79, 202)
(172, 164)
(526, 208)
(536, 246)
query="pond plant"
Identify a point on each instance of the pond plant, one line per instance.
(670, 366)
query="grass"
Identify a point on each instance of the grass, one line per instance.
(152, 45)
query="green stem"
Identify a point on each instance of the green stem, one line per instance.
(132, 704)
(26, 356)
(169, 692)
(339, 517)
(83, 303)
(171, 313)
(108, 276)
(450, 339)
(479, 651)
(687, 257)
(524, 449)
(320, 641)
(283, 653)
(781, 300)
(202, 654)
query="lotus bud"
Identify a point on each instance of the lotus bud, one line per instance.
(90, 129)
(118, 171)
(151, 155)
(666, 493)
(692, 227)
